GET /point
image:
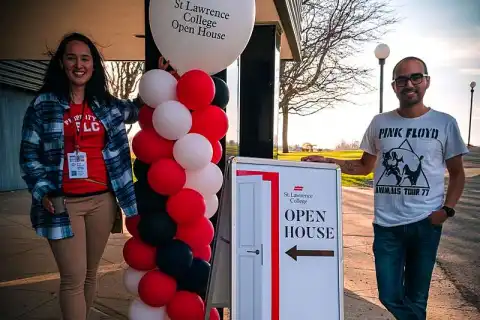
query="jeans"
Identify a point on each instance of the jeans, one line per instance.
(404, 260)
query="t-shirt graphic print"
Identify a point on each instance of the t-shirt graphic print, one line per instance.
(411, 161)
(402, 169)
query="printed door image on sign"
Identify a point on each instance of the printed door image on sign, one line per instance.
(249, 243)
(286, 223)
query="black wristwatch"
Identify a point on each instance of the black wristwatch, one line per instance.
(450, 211)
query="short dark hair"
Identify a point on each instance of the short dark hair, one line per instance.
(56, 80)
(409, 59)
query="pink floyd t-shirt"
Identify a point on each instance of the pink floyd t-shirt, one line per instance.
(411, 163)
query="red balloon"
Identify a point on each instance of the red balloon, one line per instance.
(214, 315)
(132, 225)
(166, 177)
(196, 89)
(145, 117)
(138, 255)
(149, 146)
(204, 253)
(186, 206)
(197, 234)
(186, 305)
(217, 152)
(211, 122)
(156, 289)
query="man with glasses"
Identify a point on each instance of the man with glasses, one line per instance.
(409, 149)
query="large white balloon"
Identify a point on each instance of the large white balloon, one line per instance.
(212, 205)
(201, 34)
(131, 279)
(172, 120)
(207, 180)
(141, 311)
(157, 86)
(193, 151)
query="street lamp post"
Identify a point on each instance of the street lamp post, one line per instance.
(382, 51)
(473, 84)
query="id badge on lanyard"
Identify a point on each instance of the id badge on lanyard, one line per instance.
(77, 160)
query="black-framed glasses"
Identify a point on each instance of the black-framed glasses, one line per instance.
(415, 78)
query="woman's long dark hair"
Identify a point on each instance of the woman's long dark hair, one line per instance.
(57, 82)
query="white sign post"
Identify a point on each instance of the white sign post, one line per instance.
(285, 244)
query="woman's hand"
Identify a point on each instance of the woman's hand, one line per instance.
(164, 64)
(47, 204)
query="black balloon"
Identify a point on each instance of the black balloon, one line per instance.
(174, 258)
(157, 229)
(196, 278)
(148, 201)
(222, 95)
(140, 169)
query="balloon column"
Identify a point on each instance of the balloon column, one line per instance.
(177, 151)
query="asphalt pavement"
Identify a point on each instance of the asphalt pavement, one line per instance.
(459, 251)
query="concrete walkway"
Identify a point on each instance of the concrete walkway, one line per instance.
(29, 278)
(28, 275)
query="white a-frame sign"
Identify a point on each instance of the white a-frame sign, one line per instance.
(278, 252)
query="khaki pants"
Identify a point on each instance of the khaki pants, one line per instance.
(78, 257)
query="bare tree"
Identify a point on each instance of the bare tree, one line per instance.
(354, 145)
(124, 77)
(333, 31)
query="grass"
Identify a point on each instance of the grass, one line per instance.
(347, 180)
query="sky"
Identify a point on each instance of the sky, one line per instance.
(446, 35)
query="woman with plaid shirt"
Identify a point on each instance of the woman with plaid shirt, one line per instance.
(76, 162)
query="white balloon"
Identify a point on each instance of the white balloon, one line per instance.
(207, 180)
(141, 311)
(212, 205)
(193, 151)
(202, 34)
(131, 279)
(157, 86)
(172, 120)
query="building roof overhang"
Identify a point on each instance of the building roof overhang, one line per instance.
(30, 28)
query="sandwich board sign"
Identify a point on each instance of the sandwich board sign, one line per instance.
(278, 251)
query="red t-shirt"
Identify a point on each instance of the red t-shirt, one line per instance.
(91, 139)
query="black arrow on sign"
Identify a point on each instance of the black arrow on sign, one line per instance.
(294, 253)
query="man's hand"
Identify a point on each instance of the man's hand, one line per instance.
(438, 217)
(47, 204)
(361, 166)
(316, 158)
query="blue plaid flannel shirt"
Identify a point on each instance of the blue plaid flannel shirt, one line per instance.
(42, 157)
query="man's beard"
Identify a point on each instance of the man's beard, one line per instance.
(408, 101)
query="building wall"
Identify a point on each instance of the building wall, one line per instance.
(19, 80)
(24, 74)
(13, 103)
